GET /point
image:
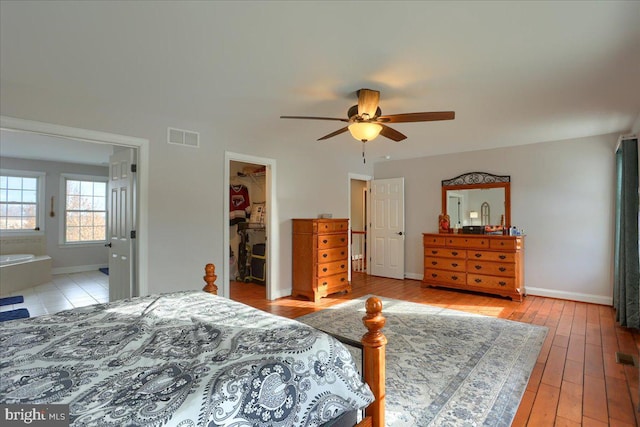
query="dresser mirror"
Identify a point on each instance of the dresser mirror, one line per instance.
(477, 198)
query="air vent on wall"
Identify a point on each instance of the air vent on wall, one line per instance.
(183, 137)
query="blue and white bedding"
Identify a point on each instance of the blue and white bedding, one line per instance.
(182, 359)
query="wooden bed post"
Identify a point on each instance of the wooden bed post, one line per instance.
(374, 343)
(210, 277)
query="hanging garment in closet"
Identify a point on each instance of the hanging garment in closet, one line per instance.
(240, 204)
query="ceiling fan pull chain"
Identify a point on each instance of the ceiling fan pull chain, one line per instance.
(364, 159)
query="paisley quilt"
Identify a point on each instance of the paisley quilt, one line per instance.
(181, 359)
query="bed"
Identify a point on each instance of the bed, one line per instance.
(190, 359)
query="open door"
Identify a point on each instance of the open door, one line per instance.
(387, 228)
(121, 224)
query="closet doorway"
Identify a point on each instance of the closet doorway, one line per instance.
(248, 229)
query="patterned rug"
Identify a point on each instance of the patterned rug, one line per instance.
(445, 367)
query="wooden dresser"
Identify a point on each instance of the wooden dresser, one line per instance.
(320, 257)
(483, 263)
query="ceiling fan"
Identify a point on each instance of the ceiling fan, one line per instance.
(366, 121)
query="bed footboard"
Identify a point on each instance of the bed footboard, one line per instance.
(210, 277)
(373, 341)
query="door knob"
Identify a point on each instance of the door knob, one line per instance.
(108, 245)
(400, 233)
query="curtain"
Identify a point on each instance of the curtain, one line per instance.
(626, 285)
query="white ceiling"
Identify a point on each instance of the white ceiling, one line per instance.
(514, 72)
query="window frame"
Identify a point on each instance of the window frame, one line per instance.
(40, 201)
(63, 208)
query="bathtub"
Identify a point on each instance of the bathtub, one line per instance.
(21, 271)
(15, 258)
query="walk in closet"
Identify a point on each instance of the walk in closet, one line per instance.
(247, 216)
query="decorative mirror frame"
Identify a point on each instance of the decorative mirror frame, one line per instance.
(478, 180)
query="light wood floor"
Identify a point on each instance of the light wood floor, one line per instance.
(576, 380)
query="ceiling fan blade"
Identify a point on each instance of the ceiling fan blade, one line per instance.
(418, 117)
(393, 134)
(332, 134)
(368, 102)
(314, 118)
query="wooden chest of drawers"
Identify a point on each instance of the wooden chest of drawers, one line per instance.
(484, 263)
(320, 257)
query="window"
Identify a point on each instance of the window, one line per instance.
(21, 201)
(85, 216)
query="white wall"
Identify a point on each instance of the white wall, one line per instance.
(64, 258)
(185, 194)
(562, 195)
(636, 126)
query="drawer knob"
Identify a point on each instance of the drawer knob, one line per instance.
(325, 283)
(477, 255)
(324, 269)
(324, 255)
(325, 241)
(342, 253)
(478, 267)
(502, 283)
(434, 262)
(501, 243)
(434, 252)
(502, 256)
(454, 264)
(454, 277)
(502, 269)
(342, 279)
(434, 275)
(342, 266)
(478, 280)
(454, 253)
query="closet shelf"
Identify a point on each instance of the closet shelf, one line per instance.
(253, 177)
(254, 174)
(250, 226)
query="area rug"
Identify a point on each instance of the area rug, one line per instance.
(445, 367)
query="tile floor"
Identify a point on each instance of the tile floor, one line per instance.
(65, 291)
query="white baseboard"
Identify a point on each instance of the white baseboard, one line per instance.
(280, 293)
(77, 268)
(551, 293)
(573, 296)
(413, 276)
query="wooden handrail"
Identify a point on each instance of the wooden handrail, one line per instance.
(358, 250)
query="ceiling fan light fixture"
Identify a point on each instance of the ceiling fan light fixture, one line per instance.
(365, 131)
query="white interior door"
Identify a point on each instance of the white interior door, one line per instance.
(121, 224)
(387, 228)
(454, 204)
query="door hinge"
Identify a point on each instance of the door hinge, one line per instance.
(133, 234)
(134, 168)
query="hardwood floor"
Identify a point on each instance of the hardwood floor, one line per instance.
(576, 380)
